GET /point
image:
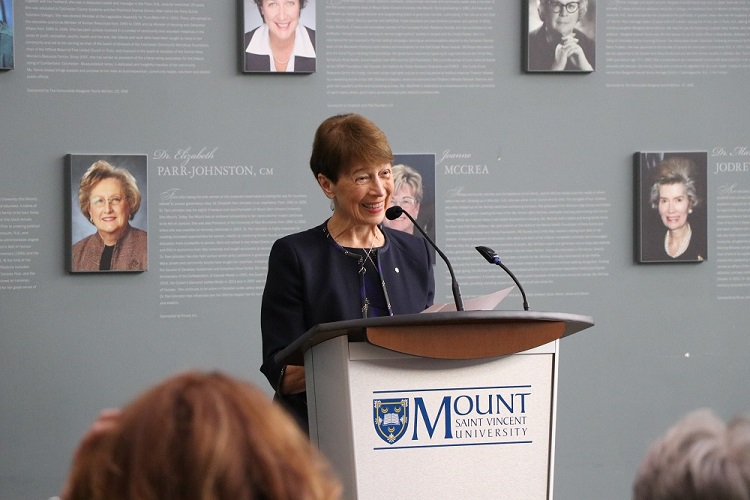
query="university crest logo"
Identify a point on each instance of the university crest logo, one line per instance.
(390, 418)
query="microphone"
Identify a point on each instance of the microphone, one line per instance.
(394, 213)
(492, 258)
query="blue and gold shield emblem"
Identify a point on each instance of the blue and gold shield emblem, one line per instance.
(391, 418)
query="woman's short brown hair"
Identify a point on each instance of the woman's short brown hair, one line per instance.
(345, 141)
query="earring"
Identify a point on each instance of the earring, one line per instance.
(332, 206)
(690, 210)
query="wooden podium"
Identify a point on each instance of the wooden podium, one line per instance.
(441, 405)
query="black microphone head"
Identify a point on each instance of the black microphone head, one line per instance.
(394, 212)
(488, 254)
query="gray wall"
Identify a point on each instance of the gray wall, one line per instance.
(537, 166)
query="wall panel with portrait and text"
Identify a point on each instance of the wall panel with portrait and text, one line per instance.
(537, 166)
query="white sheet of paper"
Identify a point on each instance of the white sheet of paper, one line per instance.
(483, 303)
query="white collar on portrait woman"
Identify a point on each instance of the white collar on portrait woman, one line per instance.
(261, 45)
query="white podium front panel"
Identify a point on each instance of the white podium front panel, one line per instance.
(426, 428)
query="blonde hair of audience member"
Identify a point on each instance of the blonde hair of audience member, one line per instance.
(202, 436)
(699, 458)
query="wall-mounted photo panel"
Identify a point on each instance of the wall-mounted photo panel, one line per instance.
(6, 34)
(108, 215)
(672, 211)
(279, 36)
(414, 191)
(561, 36)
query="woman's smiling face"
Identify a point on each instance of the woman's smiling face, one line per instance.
(281, 17)
(363, 194)
(674, 205)
(109, 209)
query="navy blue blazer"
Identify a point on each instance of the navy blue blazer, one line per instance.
(310, 281)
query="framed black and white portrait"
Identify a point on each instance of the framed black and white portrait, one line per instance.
(561, 36)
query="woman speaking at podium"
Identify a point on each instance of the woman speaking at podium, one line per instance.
(348, 267)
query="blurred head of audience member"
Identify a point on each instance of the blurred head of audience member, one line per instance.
(199, 436)
(699, 458)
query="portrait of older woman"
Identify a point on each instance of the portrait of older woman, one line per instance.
(674, 191)
(282, 41)
(413, 183)
(561, 35)
(407, 193)
(109, 198)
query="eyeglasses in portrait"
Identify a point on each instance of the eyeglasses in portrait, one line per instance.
(561, 36)
(672, 211)
(108, 213)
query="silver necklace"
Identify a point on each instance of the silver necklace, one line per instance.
(362, 261)
(368, 256)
